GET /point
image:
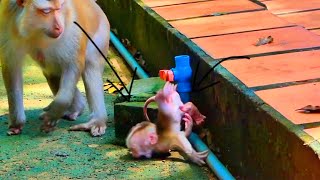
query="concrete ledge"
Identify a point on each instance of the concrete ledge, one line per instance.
(127, 114)
(252, 139)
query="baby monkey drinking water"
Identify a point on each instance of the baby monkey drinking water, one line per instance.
(147, 138)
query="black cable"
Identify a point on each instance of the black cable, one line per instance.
(103, 56)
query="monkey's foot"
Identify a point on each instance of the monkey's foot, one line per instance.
(71, 116)
(14, 130)
(48, 123)
(75, 110)
(96, 128)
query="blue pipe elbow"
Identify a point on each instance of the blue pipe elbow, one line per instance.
(182, 73)
(182, 76)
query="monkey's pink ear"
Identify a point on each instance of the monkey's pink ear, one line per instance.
(153, 138)
(20, 3)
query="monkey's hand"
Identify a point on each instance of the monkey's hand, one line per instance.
(53, 113)
(188, 124)
(198, 157)
(73, 112)
(95, 126)
(49, 122)
(182, 144)
(191, 109)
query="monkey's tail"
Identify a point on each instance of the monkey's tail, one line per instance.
(145, 107)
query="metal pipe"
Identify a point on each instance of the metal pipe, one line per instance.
(213, 162)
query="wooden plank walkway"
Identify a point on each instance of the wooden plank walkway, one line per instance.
(284, 73)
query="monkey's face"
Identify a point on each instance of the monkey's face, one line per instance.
(141, 151)
(141, 142)
(140, 146)
(42, 17)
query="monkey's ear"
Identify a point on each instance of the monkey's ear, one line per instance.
(153, 138)
(20, 3)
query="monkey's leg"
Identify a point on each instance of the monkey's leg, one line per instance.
(63, 98)
(77, 105)
(12, 75)
(53, 82)
(92, 78)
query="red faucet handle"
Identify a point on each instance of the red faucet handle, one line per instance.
(166, 75)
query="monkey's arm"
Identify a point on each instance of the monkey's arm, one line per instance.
(193, 111)
(181, 143)
(188, 124)
(65, 94)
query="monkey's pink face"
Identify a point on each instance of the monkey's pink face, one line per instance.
(142, 142)
(139, 151)
(44, 16)
(140, 146)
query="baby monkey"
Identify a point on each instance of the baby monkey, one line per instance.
(147, 138)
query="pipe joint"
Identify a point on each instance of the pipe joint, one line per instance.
(181, 74)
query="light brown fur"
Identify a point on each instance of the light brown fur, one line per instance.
(48, 34)
(165, 135)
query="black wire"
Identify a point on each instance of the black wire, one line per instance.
(102, 56)
(224, 59)
(117, 89)
(203, 88)
(131, 84)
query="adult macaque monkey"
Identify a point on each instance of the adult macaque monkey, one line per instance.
(45, 30)
(146, 138)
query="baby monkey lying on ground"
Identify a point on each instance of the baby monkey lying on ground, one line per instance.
(147, 138)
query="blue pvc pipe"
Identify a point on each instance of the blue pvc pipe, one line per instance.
(182, 76)
(127, 56)
(213, 162)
